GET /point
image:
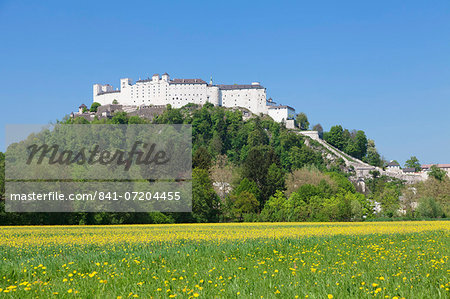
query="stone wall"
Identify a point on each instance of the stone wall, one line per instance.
(312, 134)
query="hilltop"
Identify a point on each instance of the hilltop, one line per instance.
(248, 167)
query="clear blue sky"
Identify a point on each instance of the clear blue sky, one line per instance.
(379, 66)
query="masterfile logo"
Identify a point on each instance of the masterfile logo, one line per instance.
(119, 168)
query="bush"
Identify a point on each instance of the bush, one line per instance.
(429, 208)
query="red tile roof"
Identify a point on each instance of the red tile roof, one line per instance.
(426, 166)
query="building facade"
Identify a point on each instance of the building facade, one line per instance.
(445, 167)
(161, 90)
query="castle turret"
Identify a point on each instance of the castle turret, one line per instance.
(97, 88)
(165, 77)
(125, 82)
(212, 95)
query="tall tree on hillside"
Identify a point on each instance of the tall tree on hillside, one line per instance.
(275, 179)
(372, 157)
(258, 135)
(361, 144)
(256, 167)
(205, 201)
(336, 137)
(302, 121)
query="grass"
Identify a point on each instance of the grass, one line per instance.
(282, 260)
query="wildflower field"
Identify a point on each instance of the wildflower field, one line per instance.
(250, 260)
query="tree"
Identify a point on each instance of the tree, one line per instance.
(256, 166)
(319, 129)
(275, 179)
(389, 200)
(429, 208)
(202, 159)
(361, 144)
(437, 173)
(372, 157)
(120, 118)
(246, 185)
(438, 190)
(204, 198)
(336, 137)
(137, 120)
(94, 107)
(170, 116)
(115, 102)
(257, 136)
(302, 121)
(245, 203)
(300, 157)
(413, 162)
(274, 209)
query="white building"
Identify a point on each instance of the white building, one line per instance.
(393, 166)
(281, 113)
(179, 92)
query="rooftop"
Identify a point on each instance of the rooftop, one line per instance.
(393, 163)
(240, 86)
(143, 80)
(188, 81)
(111, 91)
(281, 106)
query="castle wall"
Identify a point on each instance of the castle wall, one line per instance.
(253, 99)
(281, 113)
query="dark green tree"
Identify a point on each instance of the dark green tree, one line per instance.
(336, 137)
(205, 202)
(202, 158)
(256, 167)
(413, 162)
(257, 135)
(275, 179)
(361, 144)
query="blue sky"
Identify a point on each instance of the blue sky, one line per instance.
(379, 66)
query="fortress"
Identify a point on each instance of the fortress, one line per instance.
(161, 90)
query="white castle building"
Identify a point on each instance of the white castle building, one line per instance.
(179, 92)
